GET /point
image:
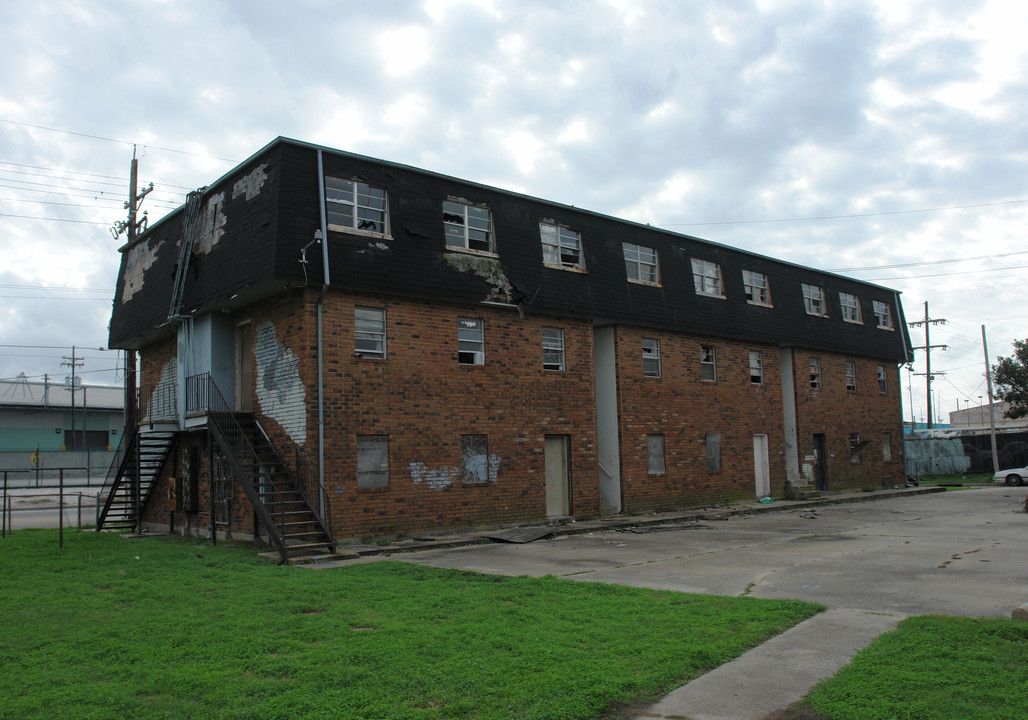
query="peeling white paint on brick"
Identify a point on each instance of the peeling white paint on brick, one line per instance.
(162, 401)
(139, 260)
(251, 184)
(280, 392)
(211, 224)
(494, 467)
(437, 479)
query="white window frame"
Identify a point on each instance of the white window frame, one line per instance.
(814, 300)
(474, 459)
(655, 460)
(553, 348)
(369, 332)
(851, 376)
(815, 373)
(372, 462)
(850, 305)
(708, 363)
(706, 278)
(470, 341)
(642, 265)
(651, 357)
(562, 247)
(758, 291)
(359, 200)
(883, 314)
(883, 379)
(468, 228)
(756, 367)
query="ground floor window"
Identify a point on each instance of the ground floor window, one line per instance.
(712, 444)
(474, 454)
(655, 454)
(372, 462)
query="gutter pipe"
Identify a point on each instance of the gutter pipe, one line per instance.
(321, 296)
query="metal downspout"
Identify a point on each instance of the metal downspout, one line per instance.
(321, 297)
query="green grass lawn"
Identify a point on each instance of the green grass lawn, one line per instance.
(934, 668)
(112, 628)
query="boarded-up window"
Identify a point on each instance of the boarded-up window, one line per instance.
(713, 447)
(655, 454)
(474, 454)
(372, 461)
(887, 447)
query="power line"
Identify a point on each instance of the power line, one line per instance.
(929, 262)
(964, 272)
(32, 217)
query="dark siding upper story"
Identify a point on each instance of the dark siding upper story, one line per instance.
(269, 211)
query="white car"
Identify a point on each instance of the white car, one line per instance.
(1014, 476)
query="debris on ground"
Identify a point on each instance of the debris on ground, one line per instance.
(810, 515)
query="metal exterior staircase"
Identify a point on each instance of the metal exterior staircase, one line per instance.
(142, 455)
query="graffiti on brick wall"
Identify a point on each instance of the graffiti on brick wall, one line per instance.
(437, 479)
(280, 392)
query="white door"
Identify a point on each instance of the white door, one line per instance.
(761, 471)
(556, 461)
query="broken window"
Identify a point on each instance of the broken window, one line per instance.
(641, 263)
(651, 357)
(474, 454)
(855, 447)
(353, 205)
(850, 308)
(708, 363)
(814, 299)
(712, 444)
(562, 247)
(655, 454)
(815, 373)
(851, 376)
(706, 277)
(369, 332)
(470, 341)
(883, 380)
(756, 367)
(372, 461)
(887, 447)
(883, 315)
(756, 286)
(553, 348)
(468, 227)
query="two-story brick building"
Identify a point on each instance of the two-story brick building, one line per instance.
(429, 352)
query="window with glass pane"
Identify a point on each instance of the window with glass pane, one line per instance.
(756, 367)
(850, 307)
(706, 277)
(369, 332)
(651, 357)
(553, 348)
(815, 373)
(708, 363)
(561, 247)
(883, 380)
(641, 263)
(851, 376)
(353, 205)
(756, 286)
(883, 315)
(813, 299)
(467, 226)
(470, 342)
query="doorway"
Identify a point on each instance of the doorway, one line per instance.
(558, 475)
(820, 461)
(761, 469)
(244, 367)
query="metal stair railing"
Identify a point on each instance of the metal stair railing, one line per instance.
(116, 474)
(245, 462)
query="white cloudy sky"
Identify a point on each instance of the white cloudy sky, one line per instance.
(884, 140)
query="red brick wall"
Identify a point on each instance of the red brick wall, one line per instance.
(423, 400)
(837, 412)
(684, 408)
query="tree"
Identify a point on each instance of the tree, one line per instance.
(1010, 376)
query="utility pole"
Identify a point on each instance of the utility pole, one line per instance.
(928, 347)
(73, 362)
(992, 416)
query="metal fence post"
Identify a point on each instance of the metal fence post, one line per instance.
(60, 512)
(3, 508)
(80, 511)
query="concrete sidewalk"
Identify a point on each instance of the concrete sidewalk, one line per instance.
(744, 689)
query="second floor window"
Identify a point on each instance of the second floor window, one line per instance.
(851, 376)
(756, 367)
(641, 263)
(708, 363)
(553, 348)
(813, 299)
(353, 205)
(815, 373)
(470, 342)
(369, 332)
(562, 248)
(651, 357)
(468, 227)
(706, 277)
(883, 380)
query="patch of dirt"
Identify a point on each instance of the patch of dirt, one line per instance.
(794, 712)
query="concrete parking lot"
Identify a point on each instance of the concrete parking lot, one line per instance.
(871, 563)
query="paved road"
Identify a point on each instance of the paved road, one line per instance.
(872, 563)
